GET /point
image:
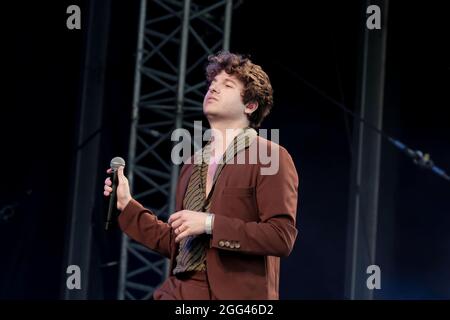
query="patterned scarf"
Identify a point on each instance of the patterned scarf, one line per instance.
(192, 253)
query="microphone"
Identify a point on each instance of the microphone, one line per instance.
(115, 164)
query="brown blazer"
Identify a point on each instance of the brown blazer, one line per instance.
(254, 225)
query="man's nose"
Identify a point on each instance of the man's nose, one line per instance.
(214, 88)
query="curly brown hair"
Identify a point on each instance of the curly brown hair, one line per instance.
(257, 87)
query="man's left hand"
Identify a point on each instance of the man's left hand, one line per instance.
(186, 223)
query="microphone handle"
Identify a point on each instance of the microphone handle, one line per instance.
(112, 200)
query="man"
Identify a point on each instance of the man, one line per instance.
(233, 222)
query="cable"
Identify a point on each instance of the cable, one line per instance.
(421, 159)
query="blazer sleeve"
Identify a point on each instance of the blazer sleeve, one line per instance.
(142, 225)
(275, 233)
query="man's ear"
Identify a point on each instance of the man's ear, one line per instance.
(251, 107)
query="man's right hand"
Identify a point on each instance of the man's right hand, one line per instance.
(123, 194)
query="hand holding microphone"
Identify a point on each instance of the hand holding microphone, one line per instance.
(118, 188)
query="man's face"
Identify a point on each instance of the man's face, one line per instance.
(223, 101)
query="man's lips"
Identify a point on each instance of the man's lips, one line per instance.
(211, 98)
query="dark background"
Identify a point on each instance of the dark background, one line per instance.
(295, 42)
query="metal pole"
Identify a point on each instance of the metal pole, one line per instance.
(79, 247)
(363, 205)
(132, 145)
(227, 25)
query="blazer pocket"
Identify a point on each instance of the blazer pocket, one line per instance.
(239, 191)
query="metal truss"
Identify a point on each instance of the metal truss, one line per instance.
(174, 40)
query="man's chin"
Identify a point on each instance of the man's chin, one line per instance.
(210, 113)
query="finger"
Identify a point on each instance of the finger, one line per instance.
(182, 235)
(120, 175)
(179, 230)
(109, 189)
(176, 224)
(109, 171)
(174, 217)
(108, 181)
(106, 193)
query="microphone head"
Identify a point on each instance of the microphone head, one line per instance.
(117, 162)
